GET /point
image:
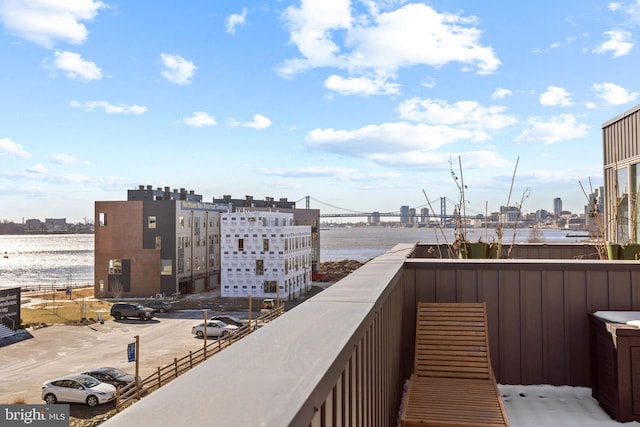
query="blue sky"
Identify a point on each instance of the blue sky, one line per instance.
(362, 105)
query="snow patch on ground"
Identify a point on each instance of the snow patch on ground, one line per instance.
(562, 406)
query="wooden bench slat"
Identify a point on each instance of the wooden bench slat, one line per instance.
(453, 382)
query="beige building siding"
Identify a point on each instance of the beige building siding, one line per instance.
(621, 149)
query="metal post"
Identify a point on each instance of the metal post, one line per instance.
(137, 337)
(205, 334)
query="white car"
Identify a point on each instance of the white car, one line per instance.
(78, 388)
(215, 328)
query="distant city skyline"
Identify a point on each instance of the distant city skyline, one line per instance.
(363, 105)
(401, 211)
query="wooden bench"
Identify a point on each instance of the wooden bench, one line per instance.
(452, 383)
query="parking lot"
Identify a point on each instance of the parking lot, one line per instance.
(55, 351)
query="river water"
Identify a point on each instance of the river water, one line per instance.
(67, 259)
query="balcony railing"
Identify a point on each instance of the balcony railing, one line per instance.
(342, 357)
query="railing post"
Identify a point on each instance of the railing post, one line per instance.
(175, 366)
(159, 378)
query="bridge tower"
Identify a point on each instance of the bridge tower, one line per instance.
(443, 211)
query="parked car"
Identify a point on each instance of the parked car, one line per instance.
(125, 309)
(230, 320)
(113, 376)
(267, 305)
(160, 306)
(215, 328)
(79, 388)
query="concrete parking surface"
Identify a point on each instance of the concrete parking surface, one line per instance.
(58, 350)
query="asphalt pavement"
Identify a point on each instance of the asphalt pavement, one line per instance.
(46, 353)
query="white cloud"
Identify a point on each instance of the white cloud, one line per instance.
(259, 122)
(7, 146)
(425, 159)
(75, 67)
(612, 94)
(309, 172)
(342, 174)
(390, 138)
(199, 119)
(109, 108)
(310, 30)
(563, 127)
(327, 35)
(38, 169)
(501, 93)
(632, 9)
(177, 69)
(614, 6)
(556, 96)
(361, 86)
(567, 41)
(46, 21)
(463, 114)
(620, 43)
(236, 19)
(64, 159)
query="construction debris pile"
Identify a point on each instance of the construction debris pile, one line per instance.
(332, 271)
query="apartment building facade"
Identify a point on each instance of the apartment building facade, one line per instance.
(621, 142)
(264, 254)
(308, 217)
(159, 241)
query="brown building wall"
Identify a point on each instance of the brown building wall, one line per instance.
(121, 238)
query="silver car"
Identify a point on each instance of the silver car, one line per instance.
(77, 388)
(215, 328)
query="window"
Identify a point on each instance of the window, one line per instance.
(259, 267)
(241, 245)
(158, 242)
(166, 267)
(181, 221)
(151, 222)
(265, 245)
(102, 218)
(115, 266)
(270, 286)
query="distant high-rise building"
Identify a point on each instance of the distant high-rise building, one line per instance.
(557, 207)
(412, 216)
(424, 215)
(374, 218)
(541, 215)
(404, 214)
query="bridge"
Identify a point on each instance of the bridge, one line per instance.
(349, 213)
